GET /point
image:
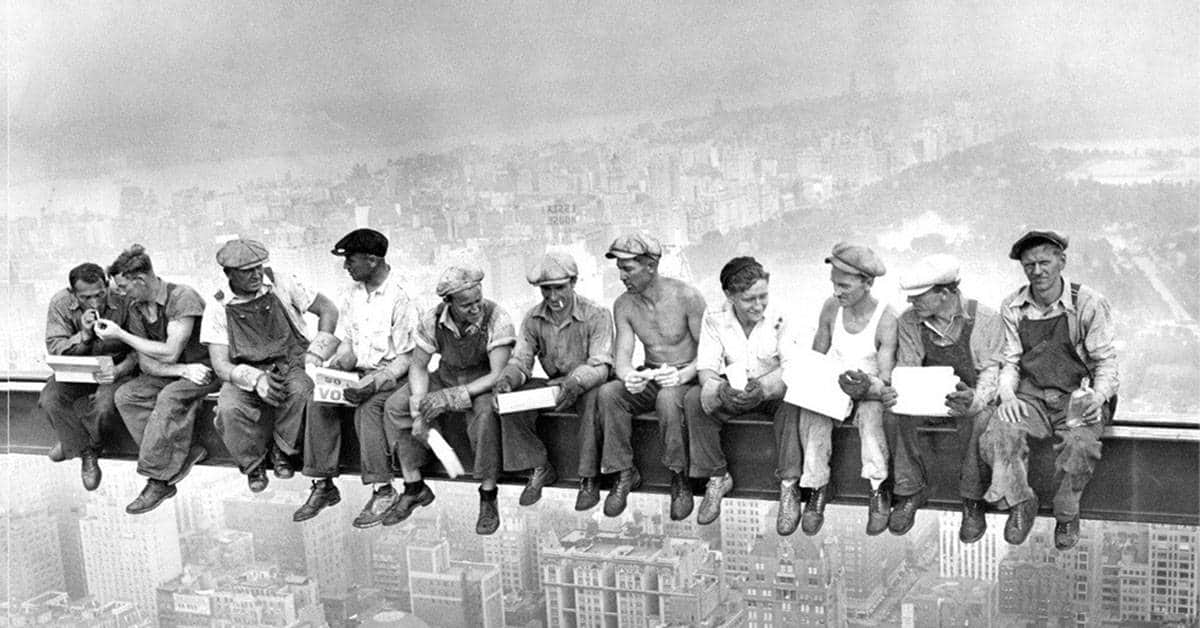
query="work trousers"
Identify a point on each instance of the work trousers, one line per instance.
(160, 413)
(910, 448)
(481, 423)
(704, 433)
(617, 406)
(523, 449)
(77, 412)
(377, 437)
(248, 426)
(804, 443)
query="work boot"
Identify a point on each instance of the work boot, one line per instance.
(406, 504)
(257, 480)
(879, 510)
(904, 513)
(814, 510)
(627, 482)
(974, 523)
(195, 454)
(1020, 521)
(324, 493)
(682, 501)
(56, 453)
(1066, 533)
(589, 494)
(489, 516)
(372, 513)
(89, 470)
(710, 506)
(281, 464)
(789, 509)
(541, 477)
(151, 496)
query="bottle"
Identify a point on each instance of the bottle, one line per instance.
(1075, 403)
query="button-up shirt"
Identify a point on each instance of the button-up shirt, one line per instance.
(986, 342)
(1090, 323)
(377, 324)
(580, 346)
(64, 327)
(723, 342)
(295, 296)
(500, 332)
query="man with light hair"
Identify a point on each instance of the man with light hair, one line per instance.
(572, 339)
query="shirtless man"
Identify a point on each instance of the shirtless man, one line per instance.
(665, 315)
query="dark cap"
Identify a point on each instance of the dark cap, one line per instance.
(632, 245)
(367, 241)
(857, 259)
(1034, 238)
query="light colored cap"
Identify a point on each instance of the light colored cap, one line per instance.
(632, 245)
(458, 278)
(554, 268)
(856, 258)
(928, 272)
(242, 254)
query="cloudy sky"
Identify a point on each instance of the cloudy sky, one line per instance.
(110, 84)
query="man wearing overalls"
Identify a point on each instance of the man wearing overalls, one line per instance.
(259, 347)
(1057, 335)
(474, 339)
(944, 329)
(159, 406)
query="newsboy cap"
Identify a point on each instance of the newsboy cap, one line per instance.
(928, 272)
(554, 268)
(632, 245)
(367, 241)
(242, 254)
(458, 278)
(856, 258)
(1034, 238)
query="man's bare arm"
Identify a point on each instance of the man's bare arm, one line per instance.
(886, 334)
(823, 339)
(624, 342)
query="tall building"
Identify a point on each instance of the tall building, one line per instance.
(946, 602)
(514, 549)
(257, 595)
(743, 522)
(30, 551)
(870, 564)
(453, 593)
(56, 608)
(628, 579)
(388, 552)
(790, 582)
(979, 560)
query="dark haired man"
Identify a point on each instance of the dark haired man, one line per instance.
(160, 405)
(1057, 335)
(944, 329)
(474, 338)
(257, 339)
(664, 314)
(739, 342)
(70, 322)
(572, 338)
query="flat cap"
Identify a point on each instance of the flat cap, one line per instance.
(929, 272)
(242, 254)
(1034, 238)
(554, 268)
(856, 258)
(458, 278)
(632, 245)
(367, 241)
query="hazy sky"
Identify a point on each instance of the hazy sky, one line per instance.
(113, 84)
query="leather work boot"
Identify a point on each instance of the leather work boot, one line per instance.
(1066, 533)
(789, 509)
(151, 496)
(710, 506)
(195, 454)
(324, 493)
(589, 494)
(627, 482)
(682, 501)
(814, 510)
(56, 453)
(542, 476)
(879, 510)
(1020, 521)
(406, 504)
(974, 523)
(281, 464)
(372, 513)
(489, 517)
(89, 470)
(257, 480)
(904, 513)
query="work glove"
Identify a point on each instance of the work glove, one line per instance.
(508, 379)
(445, 400)
(568, 393)
(271, 388)
(359, 394)
(856, 384)
(961, 400)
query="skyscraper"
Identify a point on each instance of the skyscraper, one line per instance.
(30, 551)
(979, 560)
(453, 593)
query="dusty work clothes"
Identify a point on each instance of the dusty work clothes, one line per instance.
(1050, 370)
(579, 347)
(464, 358)
(705, 456)
(161, 411)
(77, 411)
(971, 346)
(857, 351)
(804, 444)
(617, 407)
(260, 332)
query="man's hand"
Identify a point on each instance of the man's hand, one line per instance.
(271, 388)
(106, 329)
(420, 428)
(1011, 409)
(855, 383)
(359, 394)
(435, 404)
(1090, 406)
(197, 374)
(506, 381)
(727, 395)
(635, 382)
(87, 323)
(107, 374)
(960, 400)
(753, 395)
(312, 359)
(568, 393)
(667, 376)
(888, 396)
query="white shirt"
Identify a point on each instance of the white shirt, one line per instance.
(724, 343)
(856, 351)
(378, 325)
